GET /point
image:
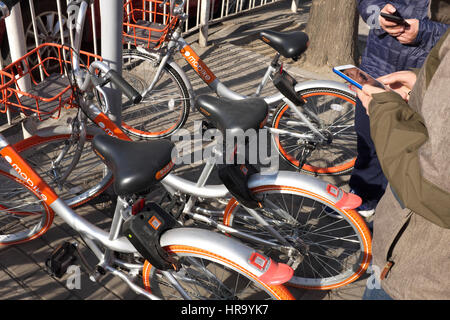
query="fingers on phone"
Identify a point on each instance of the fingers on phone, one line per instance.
(390, 8)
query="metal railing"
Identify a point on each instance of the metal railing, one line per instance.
(42, 21)
(220, 10)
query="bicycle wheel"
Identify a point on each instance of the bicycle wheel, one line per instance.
(333, 112)
(23, 214)
(205, 275)
(333, 246)
(89, 178)
(164, 109)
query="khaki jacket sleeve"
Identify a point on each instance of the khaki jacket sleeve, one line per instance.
(398, 132)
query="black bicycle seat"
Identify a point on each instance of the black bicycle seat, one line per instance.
(288, 44)
(233, 115)
(135, 165)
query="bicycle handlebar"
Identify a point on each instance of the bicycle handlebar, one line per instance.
(124, 86)
(110, 74)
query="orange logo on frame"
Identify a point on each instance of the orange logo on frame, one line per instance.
(28, 175)
(197, 64)
(154, 222)
(162, 173)
(110, 127)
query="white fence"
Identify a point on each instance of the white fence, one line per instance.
(220, 10)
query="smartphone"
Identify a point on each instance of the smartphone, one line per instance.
(395, 17)
(357, 77)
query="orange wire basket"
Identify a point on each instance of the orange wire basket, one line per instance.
(40, 81)
(6, 80)
(148, 24)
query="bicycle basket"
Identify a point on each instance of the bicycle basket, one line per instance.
(147, 24)
(40, 83)
(6, 80)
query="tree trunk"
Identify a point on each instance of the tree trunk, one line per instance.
(333, 33)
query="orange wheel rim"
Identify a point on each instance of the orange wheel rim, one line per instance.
(356, 219)
(330, 170)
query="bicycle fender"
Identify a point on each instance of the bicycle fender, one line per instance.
(221, 248)
(312, 85)
(326, 192)
(186, 81)
(324, 84)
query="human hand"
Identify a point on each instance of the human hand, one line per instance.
(390, 27)
(410, 32)
(401, 82)
(365, 95)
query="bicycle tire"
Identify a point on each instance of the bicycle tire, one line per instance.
(335, 109)
(23, 214)
(162, 111)
(88, 180)
(201, 288)
(323, 234)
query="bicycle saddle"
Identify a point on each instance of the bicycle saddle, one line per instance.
(233, 115)
(288, 44)
(135, 165)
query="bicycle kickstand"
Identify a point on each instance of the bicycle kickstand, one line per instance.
(305, 153)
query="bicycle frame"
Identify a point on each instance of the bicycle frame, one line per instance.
(177, 42)
(175, 184)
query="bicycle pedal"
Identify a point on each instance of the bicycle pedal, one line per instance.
(61, 258)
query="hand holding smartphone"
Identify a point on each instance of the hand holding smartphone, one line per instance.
(357, 77)
(394, 17)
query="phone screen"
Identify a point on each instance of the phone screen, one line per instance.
(357, 77)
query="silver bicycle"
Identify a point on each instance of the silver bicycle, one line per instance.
(313, 129)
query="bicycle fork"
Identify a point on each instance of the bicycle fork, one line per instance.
(80, 123)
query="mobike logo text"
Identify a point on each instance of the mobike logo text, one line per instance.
(164, 171)
(109, 127)
(198, 65)
(108, 131)
(24, 176)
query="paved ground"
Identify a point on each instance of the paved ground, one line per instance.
(233, 49)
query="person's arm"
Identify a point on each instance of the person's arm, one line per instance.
(429, 33)
(398, 132)
(370, 13)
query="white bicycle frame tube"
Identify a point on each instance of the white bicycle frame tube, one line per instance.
(280, 178)
(303, 118)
